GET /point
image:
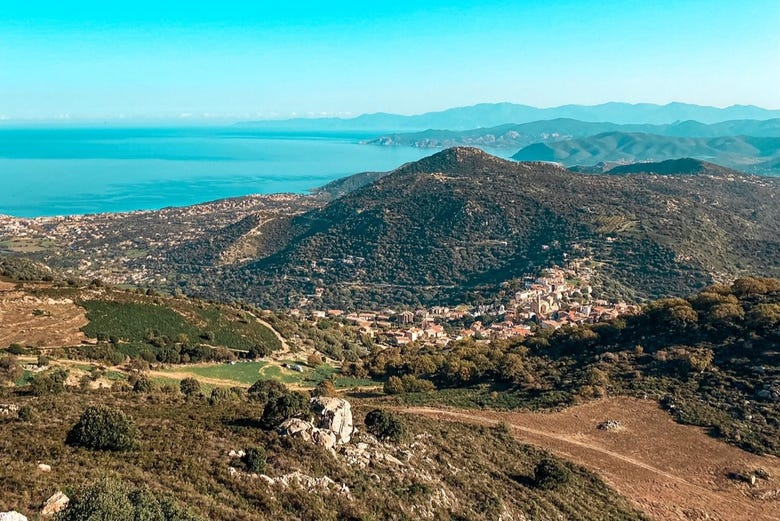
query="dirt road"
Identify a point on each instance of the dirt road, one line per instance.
(670, 471)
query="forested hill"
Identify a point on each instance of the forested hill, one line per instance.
(462, 221)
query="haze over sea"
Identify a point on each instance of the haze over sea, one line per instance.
(75, 171)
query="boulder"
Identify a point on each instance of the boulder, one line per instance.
(9, 409)
(335, 415)
(57, 503)
(43, 467)
(12, 516)
(297, 428)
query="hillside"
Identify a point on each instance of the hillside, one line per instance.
(757, 154)
(520, 135)
(462, 221)
(494, 114)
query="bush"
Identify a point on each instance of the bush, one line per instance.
(50, 382)
(266, 390)
(190, 387)
(393, 385)
(108, 499)
(288, 405)
(254, 459)
(103, 428)
(10, 370)
(325, 388)
(26, 413)
(221, 395)
(551, 474)
(16, 349)
(384, 425)
(314, 360)
(144, 385)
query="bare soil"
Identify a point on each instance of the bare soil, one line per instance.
(38, 322)
(670, 471)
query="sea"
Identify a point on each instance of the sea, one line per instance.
(67, 171)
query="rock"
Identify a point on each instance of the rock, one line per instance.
(296, 428)
(762, 473)
(43, 467)
(9, 409)
(12, 516)
(324, 438)
(57, 503)
(335, 415)
(232, 471)
(609, 425)
(236, 453)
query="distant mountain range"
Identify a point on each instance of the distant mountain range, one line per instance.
(494, 114)
(753, 154)
(519, 135)
(460, 223)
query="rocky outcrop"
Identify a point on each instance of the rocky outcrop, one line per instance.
(298, 428)
(334, 415)
(309, 483)
(57, 503)
(9, 409)
(12, 516)
(332, 423)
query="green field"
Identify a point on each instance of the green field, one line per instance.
(243, 372)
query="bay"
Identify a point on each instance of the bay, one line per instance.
(65, 171)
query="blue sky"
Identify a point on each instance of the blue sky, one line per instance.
(82, 60)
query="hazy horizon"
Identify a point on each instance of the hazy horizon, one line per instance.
(89, 60)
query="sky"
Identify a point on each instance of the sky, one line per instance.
(254, 59)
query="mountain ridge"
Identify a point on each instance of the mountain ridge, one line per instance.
(494, 114)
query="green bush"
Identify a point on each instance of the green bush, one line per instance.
(103, 428)
(384, 425)
(265, 390)
(50, 382)
(288, 405)
(144, 385)
(254, 459)
(115, 501)
(190, 387)
(551, 474)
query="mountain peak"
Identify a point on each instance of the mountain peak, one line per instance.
(456, 160)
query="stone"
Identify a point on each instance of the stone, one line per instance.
(237, 453)
(296, 428)
(609, 425)
(324, 438)
(9, 409)
(335, 415)
(12, 516)
(57, 503)
(43, 467)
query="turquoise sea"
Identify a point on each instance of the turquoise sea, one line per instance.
(80, 170)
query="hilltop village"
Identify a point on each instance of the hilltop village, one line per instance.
(559, 296)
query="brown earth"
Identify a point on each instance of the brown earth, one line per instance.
(57, 323)
(670, 471)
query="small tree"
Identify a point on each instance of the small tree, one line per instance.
(384, 425)
(10, 370)
(103, 428)
(551, 474)
(393, 385)
(325, 388)
(266, 390)
(314, 359)
(50, 382)
(289, 405)
(190, 387)
(254, 459)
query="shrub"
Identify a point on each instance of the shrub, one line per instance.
(16, 349)
(254, 459)
(314, 360)
(50, 382)
(144, 385)
(288, 405)
(393, 385)
(266, 390)
(222, 394)
(10, 370)
(103, 428)
(26, 413)
(109, 499)
(325, 388)
(190, 387)
(384, 425)
(551, 474)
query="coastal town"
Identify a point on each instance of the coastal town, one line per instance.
(558, 297)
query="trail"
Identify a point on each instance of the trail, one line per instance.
(670, 471)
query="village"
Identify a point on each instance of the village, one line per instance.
(558, 297)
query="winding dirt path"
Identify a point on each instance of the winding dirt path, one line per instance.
(670, 471)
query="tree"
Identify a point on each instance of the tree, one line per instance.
(266, 390)
(384, 425)
(551, 474)
(288, 405)
(10, 371)
(254, 459)
(103, 428)
(325, 388)
(50, 382)
(190, 387)
(393, 385)
(314, 360)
